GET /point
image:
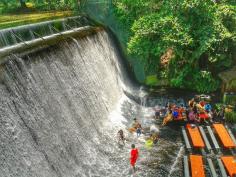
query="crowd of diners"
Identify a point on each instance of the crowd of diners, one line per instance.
(198, 110)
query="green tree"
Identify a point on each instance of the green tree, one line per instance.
(22, 3)
(200, 33)
(5, 4)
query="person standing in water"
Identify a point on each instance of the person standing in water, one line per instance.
(139, 130)
(133, 156)
(135, 123)
(121, 136)
(154, 133)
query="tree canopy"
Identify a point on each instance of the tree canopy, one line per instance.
(186, 42)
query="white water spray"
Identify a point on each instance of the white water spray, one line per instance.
(178, 157)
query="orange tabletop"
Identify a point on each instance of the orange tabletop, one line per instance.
(230, 165)
(195, 136)
(224, 136)
(197, 168)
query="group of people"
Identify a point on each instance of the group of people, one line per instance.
(134, 153)
(174, 112)
(198, 110)
(202, 110)
(137, 128)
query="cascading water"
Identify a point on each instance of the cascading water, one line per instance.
(60, 110)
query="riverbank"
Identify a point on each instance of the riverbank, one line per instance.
(10, 20)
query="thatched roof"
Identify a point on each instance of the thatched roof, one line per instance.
(229, 75)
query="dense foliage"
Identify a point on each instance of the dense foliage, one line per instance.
(16, 6)
(230, 117)
(186, 42)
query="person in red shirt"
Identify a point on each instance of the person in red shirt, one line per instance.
(133, 156)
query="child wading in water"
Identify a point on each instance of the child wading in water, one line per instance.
(133, 156)
(139, 130)
(121, 136)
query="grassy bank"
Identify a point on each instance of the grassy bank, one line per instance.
(7, 21)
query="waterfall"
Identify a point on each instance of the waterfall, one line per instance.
(54, 105)
(11, 36)
(62, 106)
